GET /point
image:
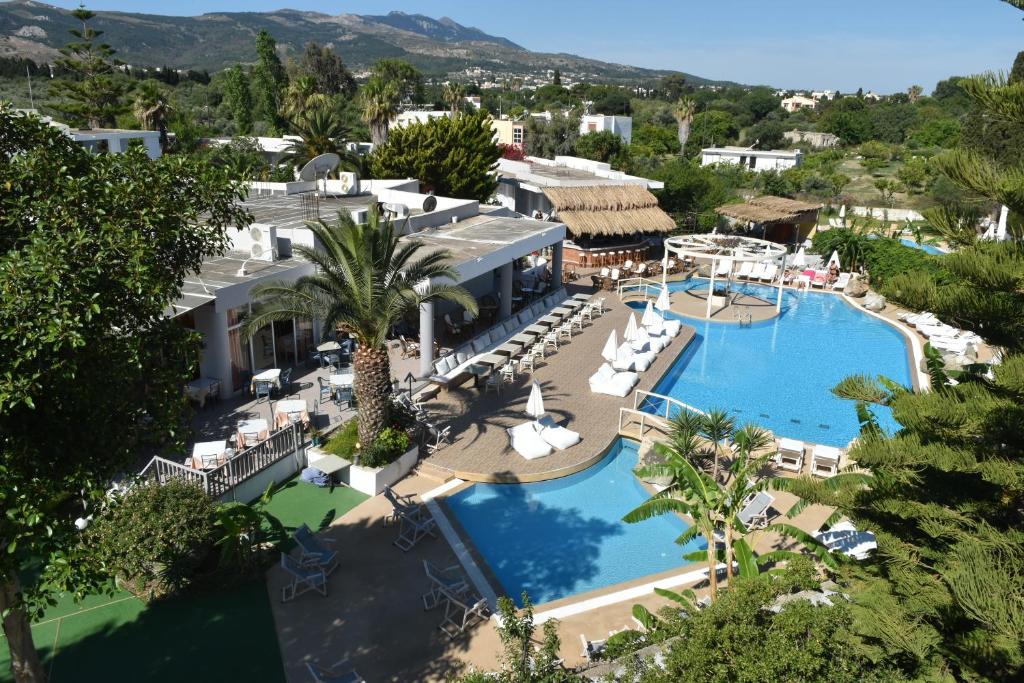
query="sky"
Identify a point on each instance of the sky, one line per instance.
(880, 45)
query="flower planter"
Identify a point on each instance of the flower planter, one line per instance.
(718, 301)
(372, 480)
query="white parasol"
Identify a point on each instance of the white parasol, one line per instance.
(800, 260)
(630, 333)
(649, 317)
(535, 404)
(662, 304)
(611, 347)
(834, 259)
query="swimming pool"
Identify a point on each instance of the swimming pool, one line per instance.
(927, 248)
(562, 537)
(779, 374)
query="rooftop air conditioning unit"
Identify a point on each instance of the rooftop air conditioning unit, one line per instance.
(264, 242)
(360, 216)
(349, 183)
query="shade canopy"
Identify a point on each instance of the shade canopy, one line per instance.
(610, 347)
(800, 260)
(842, 211)
(631, 332)
(608, 210)
(834, 259)
(649, 317)
(535, 404)
(662, 304)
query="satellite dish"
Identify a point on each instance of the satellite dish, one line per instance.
(396, 210)
(429, 204)
(320, 166)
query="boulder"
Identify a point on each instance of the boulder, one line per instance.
(856, 287)
(874, 302)
(648, 456)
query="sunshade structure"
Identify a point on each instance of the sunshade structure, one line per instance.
(631, 333)
(800, 260)
(662, 304)
(535, 404)
(608, 210)
(611, 347)
(778, 218)
(834, 259)
(649, 317)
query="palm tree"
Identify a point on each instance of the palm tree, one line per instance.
(366, 280)
(321, 131)
(302, 94)
(692, 493)
(683, 112)
(914, 93)
(152, 110)
(379, 99)
(452, 96)
(743, 483)
(716, 425)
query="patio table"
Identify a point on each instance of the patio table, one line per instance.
(538, 329)
(329, 346)
(285, 410)
(493, 359)
(199, 390)
(273, 375)
(581, 297)
(551, 319)
(564, 312)
(478, 370)
(328, 463)
(341, 380)
(250, 432)
(208, 454)
(572, 304)
(509, 349)
(524, 338)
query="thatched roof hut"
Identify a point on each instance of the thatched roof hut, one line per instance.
(608, 210)
(769, 209)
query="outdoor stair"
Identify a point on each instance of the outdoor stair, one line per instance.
(435, 472)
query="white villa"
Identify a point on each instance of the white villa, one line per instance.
(752, 159)
(798, 102)
(110, 140)
(620, 125)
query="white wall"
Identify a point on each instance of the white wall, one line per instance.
(761, 163)
(620, 125)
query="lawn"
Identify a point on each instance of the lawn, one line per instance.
(219, 635)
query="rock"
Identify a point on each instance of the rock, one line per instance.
(856, 287)
(874, 302)
(648, 456)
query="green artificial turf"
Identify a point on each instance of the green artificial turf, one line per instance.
(224, 634)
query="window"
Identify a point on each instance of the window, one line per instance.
(517, 135)
(591, 127)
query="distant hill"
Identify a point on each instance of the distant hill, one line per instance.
(214, 41)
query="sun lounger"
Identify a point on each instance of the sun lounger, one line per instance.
(770, 271)
(756, 271)
(313, 550)
(527, 442)
(302, 578)
(843, 537)
(592, 649)
(840, 284)
(339, 673)
(744, 271)
(607, 381)
(724, 266)
(412, 530)
(791, 455)
(556, 435)
(461, 612)
(825, 461)
(648, 342)
(402, 505)
(819, 278)
(447, 580)
(754, 514)
(628, 360)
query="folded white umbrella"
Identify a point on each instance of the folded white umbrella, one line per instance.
(842, 211)
(834, 258)
(535, 404)
(662, 304)
(630, 333)
(649, 317)
(800, 260)
(611, 347)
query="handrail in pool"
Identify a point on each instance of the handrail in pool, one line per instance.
(636, 284)
(641, 397)
(628, 418)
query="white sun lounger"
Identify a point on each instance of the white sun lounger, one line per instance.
(628, 360)
(461, 612)
(770, 271)
(527, 442)
(791, 455)
(744, 271)
(840, 284)
(724, 266)
(557, 435)
(825, 461)
(754, 514)
(757, 271)
(447, 580)
(665, 328)
(607, 381)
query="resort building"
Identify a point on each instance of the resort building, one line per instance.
(620, 125)
(798, 102)
(408, 117)
(752, 159)
(776, 219)
(819, 95)
(603, 210)
(812, 138)
(509, 133)
(107, 140)
(486, 246)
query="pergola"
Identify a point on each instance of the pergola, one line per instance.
(714, 248)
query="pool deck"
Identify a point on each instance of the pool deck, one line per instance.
(480, 450)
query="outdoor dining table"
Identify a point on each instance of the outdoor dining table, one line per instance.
(285, 410)
(525, 337)
(478, 370)
(581, 297)
(493, 359)
(341, 380)
(199, 390)
(509, 349)
(273, 375)
(208, 454)
(329, 346)
(537, 329)
(572, 304)
(551, 319)
(564, 312)
(251, 431)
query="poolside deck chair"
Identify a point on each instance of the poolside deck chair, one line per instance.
(724, 266)
(592, 649)
(442, 581)
(825, 461)
(840, 284)
(555, 434)
(754, 514)
(770, 271)
(410, 349)
(412, 530)
(756, 272)
(402, 505)
(791, 455)
(461, 612)
(302, 579)
(819, 278)
(527, 442)
(607, 381)
(338, 673)
(744, 271)
(313, 551)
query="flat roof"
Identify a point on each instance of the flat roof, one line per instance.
(285, 211)
(222, 271)
(548, 173)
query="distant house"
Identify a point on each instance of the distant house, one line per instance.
(406, 118)
(873, 96)
(620, 125)
(752, 159)
(509, 133)
(473, 100)
(812, 138)
(819, 95)
(106, 140)
(798, 102)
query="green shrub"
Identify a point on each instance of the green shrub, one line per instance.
(154, 539)
(390, 444)
(623, 643)
(343, 443)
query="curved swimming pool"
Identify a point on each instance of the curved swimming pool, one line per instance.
(779, 373)
(566, 536)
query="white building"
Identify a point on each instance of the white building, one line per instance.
(798, 102)
(620, 125)
(473, 100)
(819, 95)
(752, 159)
(110, 140)
(418, 116)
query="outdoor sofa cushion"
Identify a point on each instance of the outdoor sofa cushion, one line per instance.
(527, 442)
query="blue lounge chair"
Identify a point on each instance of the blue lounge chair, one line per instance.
(313, 550)
(334, 674)
(303, 579)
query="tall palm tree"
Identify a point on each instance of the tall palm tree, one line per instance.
(302, 94)
(366, 280)
(152, 110)
(683, 112)
(717, 425)
(452, 95)
(914, 93)
(692, 493)
(743, 482)
(320, 130)
(379, 99)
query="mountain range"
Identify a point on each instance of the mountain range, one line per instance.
(438, 47)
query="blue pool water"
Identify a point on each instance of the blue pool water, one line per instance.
(779, 373)
(566, 536)
(927, 248)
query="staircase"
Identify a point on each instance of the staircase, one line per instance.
(437, 473)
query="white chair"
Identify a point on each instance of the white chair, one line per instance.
(565, 331)
(825, 461)
(460, 613)
(441, 437)
(641, 269)
(537, 350)
(615, 275)
(412, 530)
(576, 321)
(607, 381)
(791, 455)
(493, 383)
(526, 361)
(508, 371)
(627, 266)
(551, 340)
(447, 580)
(744, 271)
(756, 272)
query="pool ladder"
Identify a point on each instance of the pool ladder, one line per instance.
(744, 317)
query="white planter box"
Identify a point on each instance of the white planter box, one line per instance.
(372, 480)
(718, 301)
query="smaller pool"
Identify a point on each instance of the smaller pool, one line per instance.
(558, 538)
(926, 248)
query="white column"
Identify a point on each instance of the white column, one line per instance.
(711, 286)
(427, 339)
(778, 301)
(556, 266)
(506, 274)
(664, 266)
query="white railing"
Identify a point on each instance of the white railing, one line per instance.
(636, 424)
(661, 405)
(639, 286)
